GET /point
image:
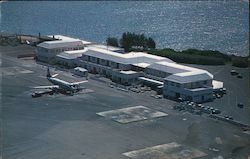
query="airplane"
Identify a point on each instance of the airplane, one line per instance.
(59, 86)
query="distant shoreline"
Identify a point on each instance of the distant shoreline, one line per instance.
(202, 57)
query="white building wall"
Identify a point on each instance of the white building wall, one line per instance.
(157, 73)
(171, 90)
(49, 55)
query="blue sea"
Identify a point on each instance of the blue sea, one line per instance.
(214, 25)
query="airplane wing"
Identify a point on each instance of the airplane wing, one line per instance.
(46, 87)
(75, 83)
(54, 75)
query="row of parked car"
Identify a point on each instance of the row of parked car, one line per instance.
(196, 108)
(235, 73)
(219, 93)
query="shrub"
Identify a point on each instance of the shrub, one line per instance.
(242, 62)
(191, 57)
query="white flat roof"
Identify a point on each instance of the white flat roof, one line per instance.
(68, 39)
(171, 67)
(188, 77)
(128, 58)
(194, 73)
(63, 42)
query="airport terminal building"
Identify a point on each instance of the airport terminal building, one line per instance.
(63, 47)
(176, 81)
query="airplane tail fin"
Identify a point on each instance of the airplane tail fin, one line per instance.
(48, 72)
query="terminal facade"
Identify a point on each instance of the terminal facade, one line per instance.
(175, 81)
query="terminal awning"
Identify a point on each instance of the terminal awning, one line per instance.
(80, 69)
(152, 81)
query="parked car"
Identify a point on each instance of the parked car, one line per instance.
(239, 76)
(214, 96)
(207, 110)
(240, 105)
(211, 108)
(199, 106)
(233, 72)
(228, 117)
(218, 96)
(158, 96)
(34, 95)
(216, 111)
(223, 90)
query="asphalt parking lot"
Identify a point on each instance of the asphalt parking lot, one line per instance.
(238, 91)
(68, 127)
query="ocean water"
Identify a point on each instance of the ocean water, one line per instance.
(215, 25)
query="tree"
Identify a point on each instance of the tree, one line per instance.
(126, 41)
(112, 41)
(151, 43)
(139, 41)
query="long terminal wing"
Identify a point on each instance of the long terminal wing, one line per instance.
(46, 87)
(75, 83)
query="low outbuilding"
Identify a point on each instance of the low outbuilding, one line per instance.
(126, 77)
(79, 71)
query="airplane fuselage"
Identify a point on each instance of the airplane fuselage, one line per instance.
(63, 85)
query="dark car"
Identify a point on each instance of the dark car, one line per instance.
(218, 95)
(228, 117)
(223, 91)
(35, 95)
(239, 76)
(233, 72)
(216, 111)
(240, 105)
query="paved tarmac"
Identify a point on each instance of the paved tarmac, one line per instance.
(67, 127)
